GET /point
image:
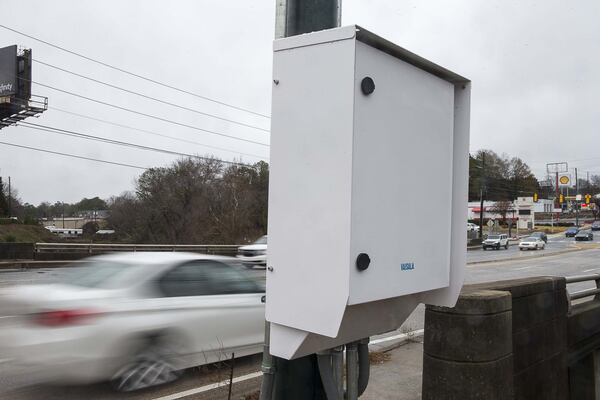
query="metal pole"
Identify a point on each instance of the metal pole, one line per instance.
(268, 367)
(481, 185)
(352, 371)
(295, 17)
(558, 205)
(337, 362)
(576, 201)
(9, 199)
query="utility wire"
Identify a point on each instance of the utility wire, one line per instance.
(133, 74)
(145, 114)
(104, 121)
(72, 155)
(150, 97)
(80, 135)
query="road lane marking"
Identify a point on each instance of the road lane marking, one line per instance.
(589, 270)
(212, 386)
(418, 332)
(522, 268)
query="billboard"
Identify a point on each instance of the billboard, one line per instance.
(8, 71)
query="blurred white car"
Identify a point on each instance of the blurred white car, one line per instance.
(135, 319)
(532, 243)
(254, 254)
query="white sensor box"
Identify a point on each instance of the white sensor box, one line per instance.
(368, 188)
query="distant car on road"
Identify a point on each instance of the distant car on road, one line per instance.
(471, 227)
(495, 242)
(254, 254)
(572, 231)
(540, 235)
(584, 235)
(596, 226)
(532, 243)
(134, 319)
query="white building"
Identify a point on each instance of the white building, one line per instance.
(522, 211)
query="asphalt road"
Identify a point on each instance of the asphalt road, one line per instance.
(556, 243)
(559, 258)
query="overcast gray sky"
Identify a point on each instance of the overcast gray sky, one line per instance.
(533, 65)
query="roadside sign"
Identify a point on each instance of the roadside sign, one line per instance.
(564, 180)
(490, 223)
(578, 197)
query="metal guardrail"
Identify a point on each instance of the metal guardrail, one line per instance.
(586, 292)
(98, 248)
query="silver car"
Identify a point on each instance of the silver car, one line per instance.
(135, 319)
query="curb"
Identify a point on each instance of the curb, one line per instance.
(390, 343)
(556, 253)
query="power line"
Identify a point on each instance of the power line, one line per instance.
(104, 121)
(145, 114)
(132, 73)
(73, 155)
(150, 97)
(80, 135)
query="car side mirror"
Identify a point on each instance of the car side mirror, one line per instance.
(263, 299)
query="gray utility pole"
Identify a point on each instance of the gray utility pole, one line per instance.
(282, 379)
(295, 17)
(481, 190)
(9, 199)
(577, 204)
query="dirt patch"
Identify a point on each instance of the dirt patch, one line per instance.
(252, 396)
(377, 357)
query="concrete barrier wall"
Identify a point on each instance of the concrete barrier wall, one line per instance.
(583, 333)
(528, 363)
(467, 349)
(16, 251)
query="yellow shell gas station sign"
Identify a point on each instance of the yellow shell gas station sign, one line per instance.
(564, 180)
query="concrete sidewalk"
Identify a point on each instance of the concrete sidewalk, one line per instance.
(397, 373)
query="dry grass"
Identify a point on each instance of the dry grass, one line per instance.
(377, 358)
(252, 396)
(25, 233)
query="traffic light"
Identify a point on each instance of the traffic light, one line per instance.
(588, 198)
(535, 197)
(561, 198)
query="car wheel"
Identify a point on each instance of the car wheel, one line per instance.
(151, 366)
(506, 246)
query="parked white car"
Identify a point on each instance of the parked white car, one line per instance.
(495, 242)
(532, 243)
(254, 254)
(134, 319)
(471, 227)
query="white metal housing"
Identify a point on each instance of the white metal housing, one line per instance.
(353, 172)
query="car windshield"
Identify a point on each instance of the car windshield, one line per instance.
(261, 240)
(494, 237)
(530, 239)
(100, 274)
